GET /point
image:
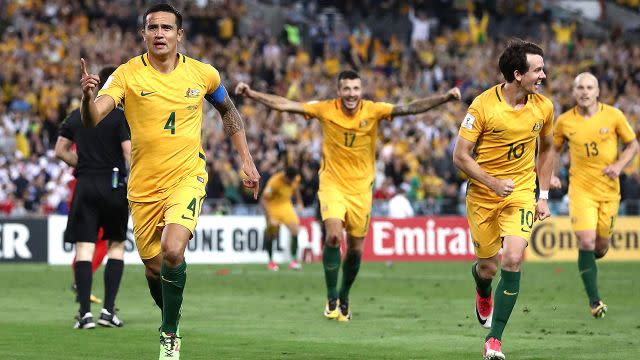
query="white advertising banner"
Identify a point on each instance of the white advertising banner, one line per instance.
(217, 240)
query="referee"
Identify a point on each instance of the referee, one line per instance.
(101, 161)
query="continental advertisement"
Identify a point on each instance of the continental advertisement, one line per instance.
(553, 240)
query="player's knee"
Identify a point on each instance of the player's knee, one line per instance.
(512, 261)
(487, 270)
(172, 257)
(601, 251)
(151, 273)
(332, 240)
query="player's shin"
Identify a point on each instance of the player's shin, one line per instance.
(331, 264)
(173, 281)
(112, 277)
(504, 301)
(268, 241)
(483, 285)
(155, 288)
(294, 247)
(589, 273)
(350, 268)
(84, 278)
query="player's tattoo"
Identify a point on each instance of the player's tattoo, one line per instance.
(420, 106)
(231, 119)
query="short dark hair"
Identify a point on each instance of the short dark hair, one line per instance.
(514, 57)
(348, 74)
(104, 74)
(163, 8)
(290, 172)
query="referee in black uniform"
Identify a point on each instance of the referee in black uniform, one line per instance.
(101, 161)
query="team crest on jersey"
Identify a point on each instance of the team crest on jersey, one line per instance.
(364, 123)
(192, 93)
(537, 127)
(604, 131)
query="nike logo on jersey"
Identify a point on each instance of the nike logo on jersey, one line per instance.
(187, 218)
(572, 133)
(498, 131)
(510, 294)
(142, 93)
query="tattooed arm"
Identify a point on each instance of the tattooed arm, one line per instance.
(272, 101)
(234, 128)
(422, 105)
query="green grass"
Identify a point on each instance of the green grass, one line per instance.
(404, 311)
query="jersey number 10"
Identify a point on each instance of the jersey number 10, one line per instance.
(515, 152)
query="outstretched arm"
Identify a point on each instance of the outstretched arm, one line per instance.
(234, 128)
(272, 101)
(426, 104)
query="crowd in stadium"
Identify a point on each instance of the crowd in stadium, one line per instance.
(42, 43)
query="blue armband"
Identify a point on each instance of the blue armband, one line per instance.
(217, 97)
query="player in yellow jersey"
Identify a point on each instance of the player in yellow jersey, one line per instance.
(496, 148)
(593, 130)
(278, 209)
(162, 92)
(349, 130)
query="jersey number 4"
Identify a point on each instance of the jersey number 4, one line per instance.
(171, 123)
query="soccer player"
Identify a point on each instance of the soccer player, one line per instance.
(162, 92)
(278, 209)
(99, 201)
(349, 129)
(592, 130)
(501, 129)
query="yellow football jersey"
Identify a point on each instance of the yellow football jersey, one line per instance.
(278, 191)
(164, 112)
(505, 138)
(349, 143)
(593, 145)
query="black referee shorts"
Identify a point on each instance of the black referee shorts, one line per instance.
(96, 204)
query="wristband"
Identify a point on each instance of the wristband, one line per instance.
(544, 195)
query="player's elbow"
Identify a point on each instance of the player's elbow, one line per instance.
(458, 159)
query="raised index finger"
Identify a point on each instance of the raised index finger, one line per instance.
(83, 66)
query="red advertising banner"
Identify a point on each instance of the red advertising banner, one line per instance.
(417, 239)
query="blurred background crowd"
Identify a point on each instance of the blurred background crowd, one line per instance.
(403, 50)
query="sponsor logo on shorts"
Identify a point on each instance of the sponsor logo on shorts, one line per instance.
(187, 218)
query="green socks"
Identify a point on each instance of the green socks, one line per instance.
(350, 268)
(269, 236)
(331, 264)
(483, 285)
(504, 301)
(173, 281)
(589, 273)
(155, 288)
(294, 247)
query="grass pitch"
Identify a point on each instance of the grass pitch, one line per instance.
(403, 311)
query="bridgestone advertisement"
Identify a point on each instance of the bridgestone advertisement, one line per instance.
(239, 239)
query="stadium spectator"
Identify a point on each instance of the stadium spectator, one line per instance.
(399, 205)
